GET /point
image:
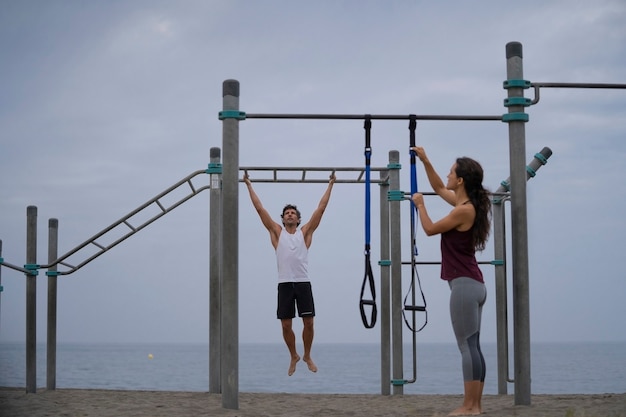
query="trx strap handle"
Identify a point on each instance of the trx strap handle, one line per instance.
(369, 279)
(413, 308)
(369, 276)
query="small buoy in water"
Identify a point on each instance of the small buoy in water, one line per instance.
(150, 356)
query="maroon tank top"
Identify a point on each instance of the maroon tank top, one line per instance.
(458, 256)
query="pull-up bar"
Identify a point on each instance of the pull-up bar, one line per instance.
(240, 115)
(244, 115)
(303, 172)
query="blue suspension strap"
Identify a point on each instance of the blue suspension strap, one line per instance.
(415, 279)
(369, 276)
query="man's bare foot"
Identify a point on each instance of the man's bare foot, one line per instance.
(292, 365)
(310, 364)
(463, 411)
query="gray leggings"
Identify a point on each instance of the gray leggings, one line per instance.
(467, 298)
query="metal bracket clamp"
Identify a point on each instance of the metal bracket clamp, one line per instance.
(394, 165)
(540, 157)
(232, 114)
(516, 84)
(399, 382)
(395, 195)
(214, 168)
(517, 101)
(384, 262)
(53, 273)
(515, 117)
(33, 269)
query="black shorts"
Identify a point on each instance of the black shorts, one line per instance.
(291, 294)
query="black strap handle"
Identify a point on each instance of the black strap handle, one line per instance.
(368, 279)
(369, 276)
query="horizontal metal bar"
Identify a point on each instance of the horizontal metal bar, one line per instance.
(439, 263)
(318, 169)
(371, 116)
(579, 85)
(407, 194)
(305, 181)
(538, 86)
(301, 176)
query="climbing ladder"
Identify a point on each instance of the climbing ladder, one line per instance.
(131, 223)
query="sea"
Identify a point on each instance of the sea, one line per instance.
(556, 368)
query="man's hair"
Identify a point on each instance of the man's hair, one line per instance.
(291, 207)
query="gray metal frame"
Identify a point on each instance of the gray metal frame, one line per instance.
(224, 250)
(231, 115)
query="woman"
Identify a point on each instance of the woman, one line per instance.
(463, 231)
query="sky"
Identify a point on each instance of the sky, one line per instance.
(103, 105)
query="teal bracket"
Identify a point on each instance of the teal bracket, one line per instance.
(515, 117)
(541, 158)
(33, 269)
(399, 382)
(232, 114)
(214, 169)
(395, 195)
(1, 287)
(517, 101)
(52, 273)
(516, 84)
(394, 165)
(497, 262)
(384, 262)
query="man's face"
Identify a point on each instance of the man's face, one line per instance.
(290, 217)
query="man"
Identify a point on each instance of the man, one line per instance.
(294, 287)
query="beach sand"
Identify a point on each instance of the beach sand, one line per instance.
(100, 403)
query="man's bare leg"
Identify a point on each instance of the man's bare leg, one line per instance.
(307, 338)
(290, 341)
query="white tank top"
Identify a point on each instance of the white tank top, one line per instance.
(292, 257)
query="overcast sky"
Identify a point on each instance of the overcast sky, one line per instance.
(103, 105)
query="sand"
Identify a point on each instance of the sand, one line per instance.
(101, 403)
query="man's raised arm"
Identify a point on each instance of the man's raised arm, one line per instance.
(312, 224)
(266, 219)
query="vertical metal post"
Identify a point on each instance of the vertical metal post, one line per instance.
(1, 288)
(396, 275)
(215, 268)
(502, 335)
(31, 300)
(519, 222)
(499, 221)
(51, 339)
(230, 247)
(385, 311)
